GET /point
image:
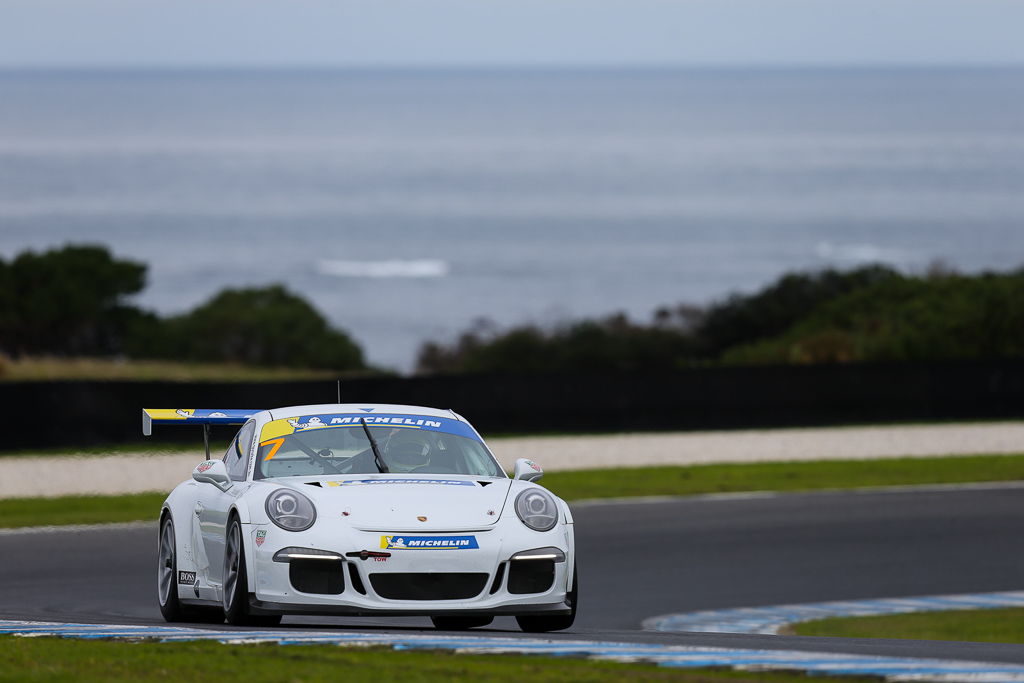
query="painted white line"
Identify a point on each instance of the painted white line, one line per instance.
(891, 668)
(771, 620)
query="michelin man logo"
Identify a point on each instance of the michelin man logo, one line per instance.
(311, 423)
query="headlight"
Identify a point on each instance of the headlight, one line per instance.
(290, 510)
(536, 508)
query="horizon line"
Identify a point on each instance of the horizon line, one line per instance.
(508, 67)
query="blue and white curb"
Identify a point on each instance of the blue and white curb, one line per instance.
(771, 620)
(891, 668)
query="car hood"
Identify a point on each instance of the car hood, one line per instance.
(408, 503)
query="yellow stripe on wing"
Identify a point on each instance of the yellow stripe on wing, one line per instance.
(170, 413)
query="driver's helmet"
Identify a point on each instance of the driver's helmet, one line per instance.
(407, 449)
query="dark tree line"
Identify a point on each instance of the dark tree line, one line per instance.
(869, 314)
(75, 301)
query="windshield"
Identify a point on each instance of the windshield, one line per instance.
(337, 444)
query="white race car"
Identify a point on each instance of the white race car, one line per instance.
(361, 509)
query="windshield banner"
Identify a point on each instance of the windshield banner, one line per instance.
(292, 425)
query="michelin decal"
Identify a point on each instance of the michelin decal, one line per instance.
(428, 542)
(317, 421)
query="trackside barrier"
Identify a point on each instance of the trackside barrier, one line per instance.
(54, 414)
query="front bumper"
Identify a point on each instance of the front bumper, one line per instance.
(257, 606)
(352, 592)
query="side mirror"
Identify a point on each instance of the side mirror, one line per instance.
(527, 470)
(212, 472)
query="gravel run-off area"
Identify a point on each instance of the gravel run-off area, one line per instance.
(23, 476)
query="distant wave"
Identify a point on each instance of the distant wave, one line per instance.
(410, 268)
(864, 253)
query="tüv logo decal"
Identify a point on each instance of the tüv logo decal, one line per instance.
(428, 542)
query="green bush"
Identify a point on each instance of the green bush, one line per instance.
(68, 301)
(257, 326)
(743, 319)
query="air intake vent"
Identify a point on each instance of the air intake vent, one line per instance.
(530, 576)
(324, 577)
(498, 576)
(428, 586)
(353, 575)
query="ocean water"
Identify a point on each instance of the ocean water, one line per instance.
(406, 205)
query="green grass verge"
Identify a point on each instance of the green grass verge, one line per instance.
(983, 625)
(54, 659)
(782, 476)
(44, 369)
(19, 512)
(614, 483)
(138, 448)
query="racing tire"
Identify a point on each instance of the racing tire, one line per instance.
(236, 582)
(167, 583)
(537, 623)
(459, 623)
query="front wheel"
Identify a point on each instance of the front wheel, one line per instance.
(236, 582)
(538, 623)
(167, 583)
(459, 623)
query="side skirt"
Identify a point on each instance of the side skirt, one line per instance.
(199, 603)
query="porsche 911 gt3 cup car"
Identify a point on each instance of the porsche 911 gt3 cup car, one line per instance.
(361, 509)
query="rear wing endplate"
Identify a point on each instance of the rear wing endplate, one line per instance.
(194, 416)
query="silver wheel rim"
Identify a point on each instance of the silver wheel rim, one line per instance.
(232, 557)
(165, 570)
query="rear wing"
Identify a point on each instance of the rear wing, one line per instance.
(194, 416)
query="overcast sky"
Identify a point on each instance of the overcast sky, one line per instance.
(508, 32)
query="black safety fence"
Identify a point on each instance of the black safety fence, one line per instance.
(85, 413)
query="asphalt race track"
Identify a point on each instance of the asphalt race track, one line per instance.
(641, 560)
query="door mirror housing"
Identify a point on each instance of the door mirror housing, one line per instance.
(212, 472)
(527, 470)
